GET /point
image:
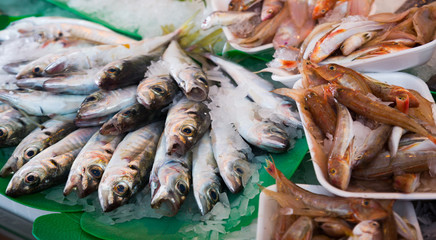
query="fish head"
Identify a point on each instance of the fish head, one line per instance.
(272, 136)
(367, 209)
(196, 85)
(169, 191)
(27, 180)
(330, 72)
(92, 105)
(208, 194)
(339, 172)
(115, 190)
(109, 75)
(270, 11)
(368, 227)
(19, 157)
(156, 92)
(31, 71)
(182, 136)
(235, 170)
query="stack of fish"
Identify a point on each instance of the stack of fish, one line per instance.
(356, 124)
(131, 114)
(306, 215)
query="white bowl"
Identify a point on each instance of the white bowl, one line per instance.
(268, 209)
(400, 79)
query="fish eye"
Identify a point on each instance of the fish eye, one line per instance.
(342, 47)
(95, 171)
(274, 130)
(36, 70)
(332, 68)
(158, 90)
(3, 132)
(113, 71)
(239, 170)
(365, 202)
(375, 224)
(182, 188)
(270, 11)
(90, 99)
(121, 188)
(231, 5)
(333, 171)
(202, 79)
(30, 153)
(213, 195)
(187, 130)
(366, 36)
(322, 10)
(31, 178)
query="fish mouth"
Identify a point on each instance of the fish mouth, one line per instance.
(233, 183)
(203, 203)
(14, 189)
(197, 94)
(176, 146)
(83, 186)
(145, 99)
(166, 203)
(7, 170)
(276, 144)
(108, 129)
(108, 200)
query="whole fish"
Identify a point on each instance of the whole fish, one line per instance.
(90, 164)
(30, 102)
(356, 41)
(351, 209)
(367, 230)
(377, 111)
(226, 18)
(331, 41)
(129, 168)
(301, 229)
(49, 167)
(36, 67)
(344, 76)
(170, 180)
(102, 103)
(123, 72)
(188, 74)
(128, 119)
(186, 123)
(206, 182)
(38, 140)
(156, 92)
(270, 8)
(14, 127)
(77, 84)
(322, 112)
(322, 7)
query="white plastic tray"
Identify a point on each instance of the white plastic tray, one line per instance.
(400, 79)
(268, 209)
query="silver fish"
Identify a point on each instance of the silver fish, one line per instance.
(51, 166)
(205, 175)
(188, 74)
(129, 167)
(157, 92)
(36, 83)
(102, 103)
(186, 123)
(78, 84)
(226, 18)
(30, 102)
(90, 164)
(14, 127)
(38, 140)
(170, 180)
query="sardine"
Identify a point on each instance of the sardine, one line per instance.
(270, 8)
(90, 163)
(129, 168)
(123, 72)
(301, 229)
(49, 167)
(30, 102)
(206, 182)
(156, 92)
(356, 41)
(188, 74)
(186, 123)
(38, 140)
(170, 180)
(102, 103)
(367, 230)
(322, 7)
(226, 18)
(78, 84)
(14, 127)
(129, 119)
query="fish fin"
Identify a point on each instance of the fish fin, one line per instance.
(25, 115)
(296, 94)
(206, 43)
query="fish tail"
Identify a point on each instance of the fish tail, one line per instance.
(206, 43)
(187, 26)
(271, 168)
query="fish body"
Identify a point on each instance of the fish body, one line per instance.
(356, 41)
(206, 182)
(102, 103)
(407, 182)
(38, 140)
(36, 83)
(92, 122)
(334, 227)
(344, 76)
(226, 18)
(324, 114)
(157, 92)
(371, 146)
(301, 229)
(49, 167)
(186, 123)
(90, 164)
(30, 102)
(129, 168)
(188, 74)
(77, 84)
(242, 5)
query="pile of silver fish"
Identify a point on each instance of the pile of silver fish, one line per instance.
(113, 117)
(363, 129)
(306, 215)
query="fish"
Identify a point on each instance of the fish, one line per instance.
(92, 122)
(384, 165)
(156, 92)
(270, 8)
(332, 40)
(323, 113)
(318, 32)
(322, 7)
(242, 5)
(298, 11)
(302, 228)
(38, 140)
(344, 76)
(407, 183)
(367, 230)
(377, 111)
(351, 209)
(339, 158)
(30, 102)
(356, 41)
(90, 164)
(188, 74)
(288, 35)
(77, 84)
(186, 123)
(129, 119)
(124, 72)
(423, 23)
(226, 18)
(404, 228)
(334, 227)
(49, 167)
(170, 180)
(128, 170)
(36, 67)
(102, 103)
(36, 83)
(14, 126)
(309, 77)
(206, 181)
